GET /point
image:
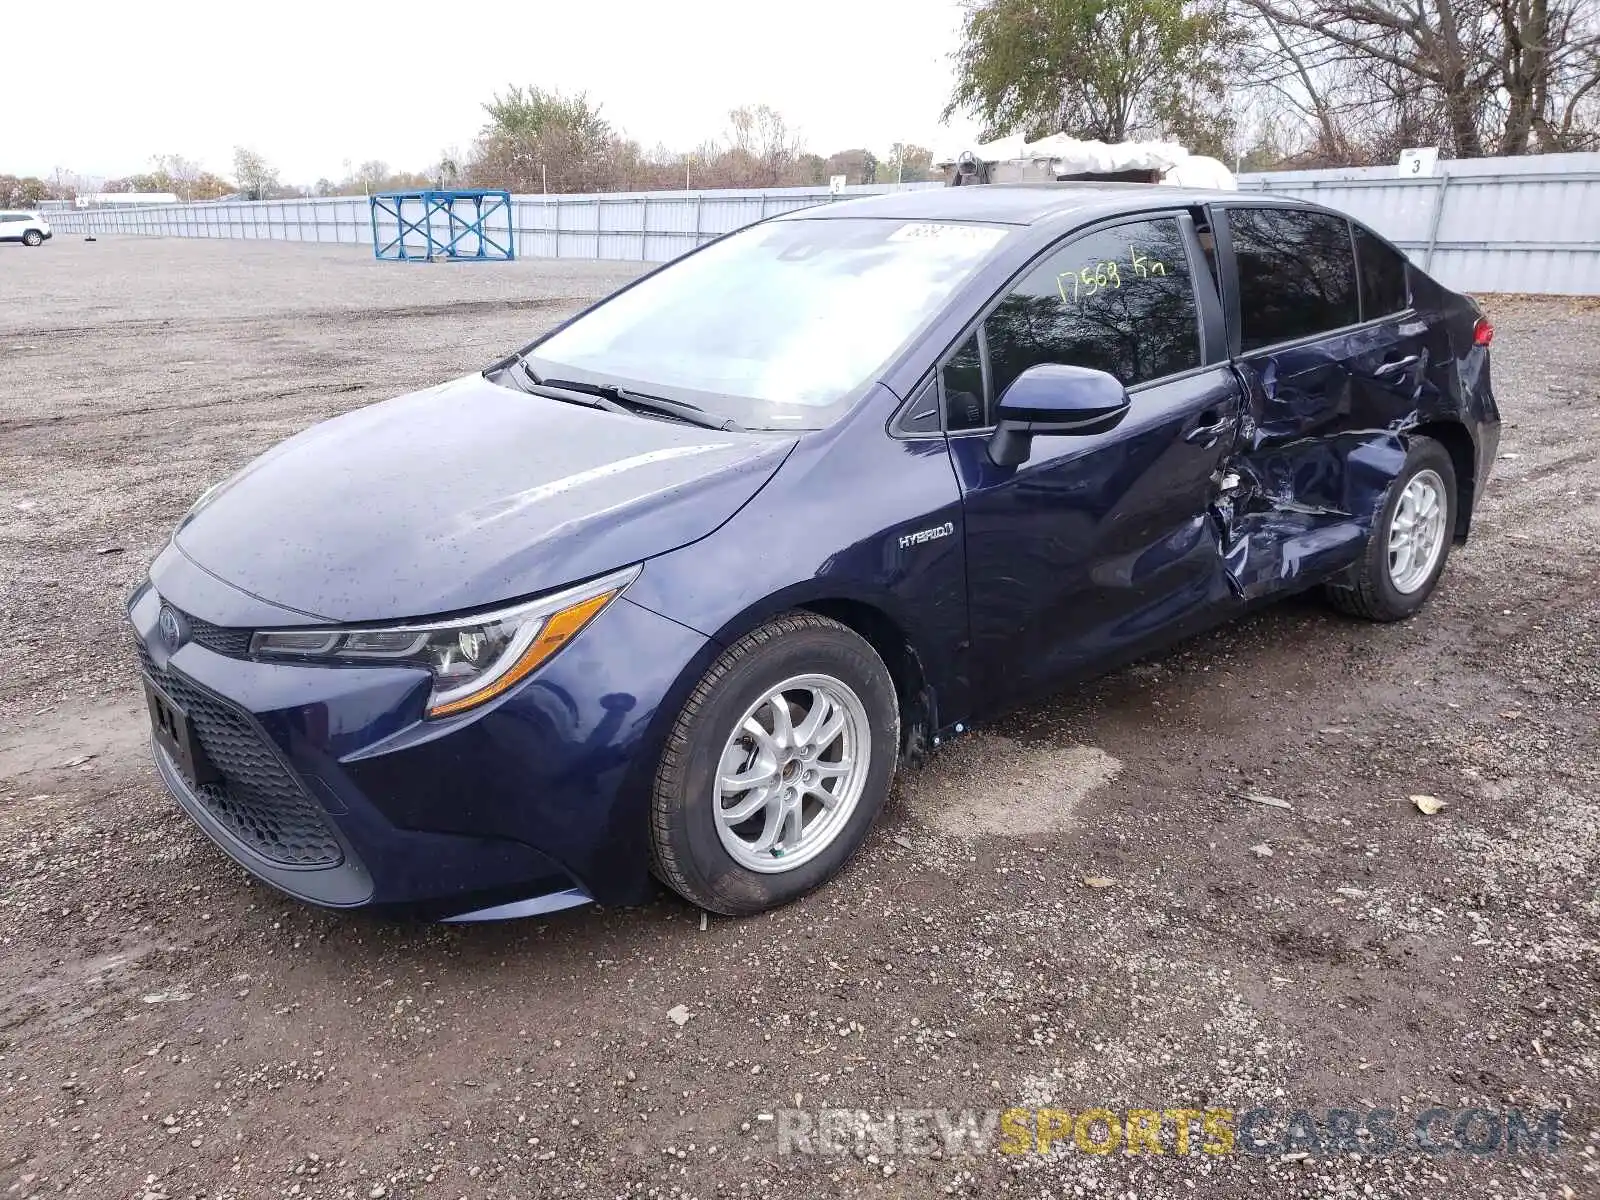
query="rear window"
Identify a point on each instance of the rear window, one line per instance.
(1297, 274)
(1383, 276)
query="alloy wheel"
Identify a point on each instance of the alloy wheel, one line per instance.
(1417, 531)
(791, 773)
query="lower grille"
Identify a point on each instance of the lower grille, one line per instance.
(258, 801)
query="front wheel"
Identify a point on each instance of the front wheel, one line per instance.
(32, 237)
(776, 768)
(1409, 543)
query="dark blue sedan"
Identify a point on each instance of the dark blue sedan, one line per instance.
(673, 590)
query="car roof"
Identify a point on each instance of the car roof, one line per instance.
(1023, 203)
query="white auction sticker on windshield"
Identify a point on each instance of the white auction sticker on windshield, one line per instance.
(947, 231)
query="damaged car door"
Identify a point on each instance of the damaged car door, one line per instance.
(1323, 392)
(1092, 542)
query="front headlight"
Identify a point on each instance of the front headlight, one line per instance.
(472, 659)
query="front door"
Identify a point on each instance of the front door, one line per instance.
(1099, 546)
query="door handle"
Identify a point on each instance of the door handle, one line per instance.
(1396, 365)
(1214, 428)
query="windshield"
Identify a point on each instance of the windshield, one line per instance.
(777, 327)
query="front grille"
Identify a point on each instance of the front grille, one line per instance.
(258, 801)
(235, 643)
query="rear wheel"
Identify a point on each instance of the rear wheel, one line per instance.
(1409, 543)
(32, 237)
(776, 768)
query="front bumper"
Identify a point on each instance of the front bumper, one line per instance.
(335, 790)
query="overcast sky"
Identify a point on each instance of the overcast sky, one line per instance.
(311, 86)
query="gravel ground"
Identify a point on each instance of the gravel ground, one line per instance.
(168, 1028)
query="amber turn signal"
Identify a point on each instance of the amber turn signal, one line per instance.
(558, 629)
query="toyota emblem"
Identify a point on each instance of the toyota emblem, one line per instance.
(171, 629)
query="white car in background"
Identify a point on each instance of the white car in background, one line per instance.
(29, 228)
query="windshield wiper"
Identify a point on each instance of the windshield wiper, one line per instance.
(557, 390)
(627, 398)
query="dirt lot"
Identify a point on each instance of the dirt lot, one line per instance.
(168, 1028)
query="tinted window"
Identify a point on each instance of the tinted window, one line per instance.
(961, 380)
(1119, 300)
(1297, 274)
(5, 216)
(1383, 276)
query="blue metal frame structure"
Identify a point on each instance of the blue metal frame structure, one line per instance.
(414, 214)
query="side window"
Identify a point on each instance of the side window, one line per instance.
(1119, 300)
(922, 414)
(961, 381)
(1383, 276)
(1297, 274)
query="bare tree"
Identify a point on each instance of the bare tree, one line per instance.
(1477, 76)
(372, 175)
(257, 179)
(761, 142)
(182, 174)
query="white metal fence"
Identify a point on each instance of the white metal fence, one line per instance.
(1482, 225)
(1486, 225)
(647, 226)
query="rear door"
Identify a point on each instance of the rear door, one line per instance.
(1101, 545)
(1324, 386)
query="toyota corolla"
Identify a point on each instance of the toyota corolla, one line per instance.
(671, 591)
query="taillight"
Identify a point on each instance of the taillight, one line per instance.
(1482, 332)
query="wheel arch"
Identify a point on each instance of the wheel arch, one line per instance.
(918, 706)
(885, 631)
(1458, 443)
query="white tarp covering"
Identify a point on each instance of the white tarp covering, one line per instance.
(1073, 156)
(1200, 171)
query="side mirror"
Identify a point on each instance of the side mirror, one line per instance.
(1056, 399)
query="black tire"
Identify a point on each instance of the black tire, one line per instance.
(686, 850)
(1366, 589)
(32, 237)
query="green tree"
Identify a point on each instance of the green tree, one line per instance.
(810, 170)
(857, 165)
(906, 164)
(534, 112)
(1108, 69)
(537, 139)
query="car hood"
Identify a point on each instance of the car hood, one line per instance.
(465, 495)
